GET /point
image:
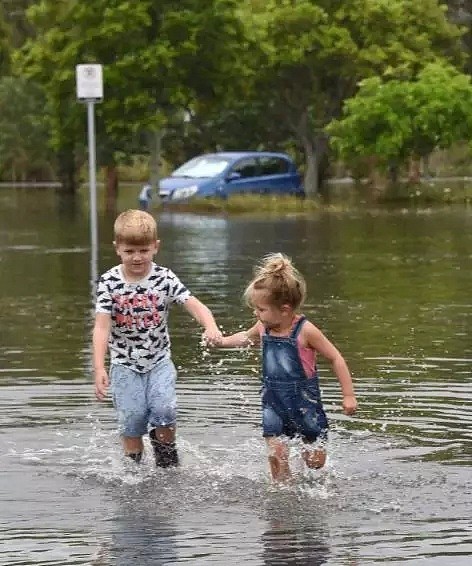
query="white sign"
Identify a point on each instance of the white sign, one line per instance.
(89, 82)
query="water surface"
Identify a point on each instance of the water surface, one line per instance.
(390, 288)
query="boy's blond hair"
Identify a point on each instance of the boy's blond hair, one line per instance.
(135, 227)
(281, 280)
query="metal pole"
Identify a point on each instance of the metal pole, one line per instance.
(93, 196)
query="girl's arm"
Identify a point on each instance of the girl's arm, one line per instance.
(318, 341)
(241, 339)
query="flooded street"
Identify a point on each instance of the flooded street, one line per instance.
(392, 289)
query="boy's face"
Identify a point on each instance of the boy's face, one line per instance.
(137, 259)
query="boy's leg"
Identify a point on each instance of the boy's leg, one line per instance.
(162, 404)
(278, 453)
(133, 447)
(163, 444)
(129, 400)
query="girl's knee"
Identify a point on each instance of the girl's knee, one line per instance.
(314, 459)
(276, 449)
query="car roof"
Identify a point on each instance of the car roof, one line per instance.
(234, 155)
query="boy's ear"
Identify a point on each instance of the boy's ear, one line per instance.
(158, 245)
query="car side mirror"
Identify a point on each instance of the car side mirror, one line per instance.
(233, 176)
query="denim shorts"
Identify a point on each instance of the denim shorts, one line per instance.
(144, 400)
(294, 410)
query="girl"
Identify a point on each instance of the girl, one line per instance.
(291, 401)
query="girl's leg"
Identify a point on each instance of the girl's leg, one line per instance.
(278, 454)
(314, 458)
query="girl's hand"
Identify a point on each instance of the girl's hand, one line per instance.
(349, 404)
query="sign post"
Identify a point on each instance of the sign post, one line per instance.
(90, 90)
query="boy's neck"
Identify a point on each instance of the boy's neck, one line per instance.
(130, 278)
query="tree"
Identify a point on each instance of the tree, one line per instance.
(158, 58)
(5, 46)
(315, 52)
(23, 153)
(393, 120)
(460, 12)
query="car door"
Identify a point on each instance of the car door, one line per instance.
(246, 178)
(276, 175)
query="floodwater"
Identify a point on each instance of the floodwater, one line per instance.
(391, 288)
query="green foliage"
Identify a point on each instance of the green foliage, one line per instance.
(395, 119)
(5, 46)
(23, 152)
(158, 57)
(316, 52)
(220, 74)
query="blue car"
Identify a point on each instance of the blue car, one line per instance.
(232, 172)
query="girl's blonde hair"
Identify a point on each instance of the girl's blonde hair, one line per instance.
(135, 227)
(282, 281)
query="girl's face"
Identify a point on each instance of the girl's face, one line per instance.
(136, 259)
(272, 317)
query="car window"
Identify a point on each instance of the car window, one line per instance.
(273, 165)
(204, 166)
(246, 167)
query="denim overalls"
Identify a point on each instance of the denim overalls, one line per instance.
(291, 402)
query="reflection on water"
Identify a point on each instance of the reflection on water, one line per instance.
(293, 534)
(392, 289)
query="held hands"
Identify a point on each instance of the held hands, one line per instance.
(212, 336)
(101, 384)
(349, 404)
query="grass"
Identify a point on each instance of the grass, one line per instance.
(430, 193)
(247, 204)
(282, 205)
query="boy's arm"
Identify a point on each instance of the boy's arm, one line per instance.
(203, 315)
(318, 341)
(101, 332)
(241, 339)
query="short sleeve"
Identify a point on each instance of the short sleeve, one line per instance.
(178, 292)
(103, 301)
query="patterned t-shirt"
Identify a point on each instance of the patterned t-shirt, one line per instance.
(139, 336)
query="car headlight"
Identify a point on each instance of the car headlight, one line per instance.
(184, 192)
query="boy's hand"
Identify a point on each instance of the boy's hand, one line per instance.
(349, 404)
(101, 384)
(212, 336)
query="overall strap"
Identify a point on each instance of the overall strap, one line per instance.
(298, 326)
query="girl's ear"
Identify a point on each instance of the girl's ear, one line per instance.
(286, 309)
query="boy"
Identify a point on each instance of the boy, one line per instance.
(132, 307)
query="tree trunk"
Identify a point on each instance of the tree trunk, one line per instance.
(111, 187)
(414, 171)
(66, 173)
(315, 151)
(311, 170)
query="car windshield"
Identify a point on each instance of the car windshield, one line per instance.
(203, 166)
